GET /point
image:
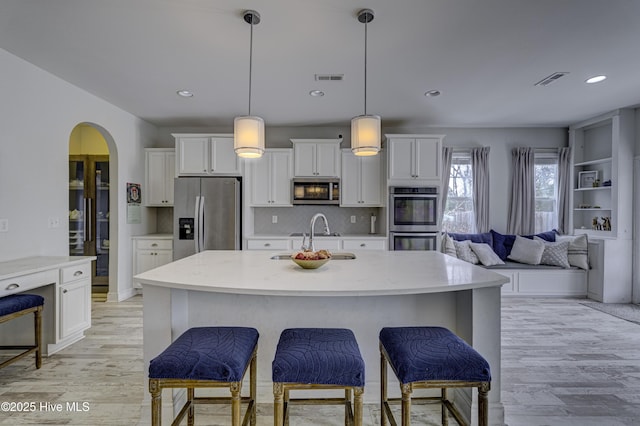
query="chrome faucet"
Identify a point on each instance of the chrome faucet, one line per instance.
(313, 224)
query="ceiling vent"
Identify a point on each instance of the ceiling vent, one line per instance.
(550, 79)
(329, 77)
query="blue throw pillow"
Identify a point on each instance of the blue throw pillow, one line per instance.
(503, 244)
(474, 238)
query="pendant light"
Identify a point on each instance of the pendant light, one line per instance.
(248, 130)
(365, 129)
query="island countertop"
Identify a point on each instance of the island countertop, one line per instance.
(372, 273)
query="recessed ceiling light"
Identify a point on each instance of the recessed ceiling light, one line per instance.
(316, 93)
(185, 93)
(596, 79)
(432, 93)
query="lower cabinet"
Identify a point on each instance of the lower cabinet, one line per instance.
(319, 243)
(149, 253)
(610, 274)
(75, 300)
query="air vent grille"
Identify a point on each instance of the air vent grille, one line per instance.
(551, 78)
(329, 77)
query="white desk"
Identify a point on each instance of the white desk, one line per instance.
(65, 283)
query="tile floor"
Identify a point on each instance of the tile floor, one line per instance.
(563, 364)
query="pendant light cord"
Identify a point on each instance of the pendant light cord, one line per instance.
(365, 67)
(250, 62)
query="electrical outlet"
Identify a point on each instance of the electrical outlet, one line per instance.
(54, 222)
(4, 225)
(274, 219)
(353, 219)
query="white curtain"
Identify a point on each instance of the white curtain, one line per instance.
(521, 218)
(447, 155)
(564, 189)
(480, 171)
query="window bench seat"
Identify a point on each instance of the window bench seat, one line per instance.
(542, 280)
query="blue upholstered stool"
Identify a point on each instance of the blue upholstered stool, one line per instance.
(431, 357)
(207, 357)
(318, 358)
(15, 306)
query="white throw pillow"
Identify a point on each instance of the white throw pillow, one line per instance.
(555, 254)
(485, 253)
(447, 245)
(577, 254)
(526, 251)
(464, 252)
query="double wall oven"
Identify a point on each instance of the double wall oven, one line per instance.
(413, 218)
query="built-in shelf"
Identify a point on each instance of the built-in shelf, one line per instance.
(595, 188)
(594, 162)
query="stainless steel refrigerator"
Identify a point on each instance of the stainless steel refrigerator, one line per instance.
(206, 215)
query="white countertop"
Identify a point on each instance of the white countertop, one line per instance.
(30, 265)
(342, 236)
(372, 273)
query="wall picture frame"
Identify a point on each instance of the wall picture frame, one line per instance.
(586, 178)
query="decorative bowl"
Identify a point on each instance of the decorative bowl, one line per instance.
(309, 263)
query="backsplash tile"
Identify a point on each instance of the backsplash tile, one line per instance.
(297, 219)
(164, 220)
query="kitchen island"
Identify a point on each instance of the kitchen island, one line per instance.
(377, 289)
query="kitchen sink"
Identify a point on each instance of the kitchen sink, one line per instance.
(299, 234)
(334, 256)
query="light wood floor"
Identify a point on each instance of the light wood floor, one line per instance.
(563, 364)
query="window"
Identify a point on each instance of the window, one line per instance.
(458, 213)
(546, 191)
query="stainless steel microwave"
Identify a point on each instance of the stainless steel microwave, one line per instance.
(315, 190)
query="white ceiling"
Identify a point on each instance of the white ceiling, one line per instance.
(484, 56)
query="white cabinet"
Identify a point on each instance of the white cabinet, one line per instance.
(316, 157)
(361, 180)
(268, 244)
(610, 273)
(319, 243)
(75, 300)
(415, 158)
(270, 178)
(364, 244)
(150, 252)
(160, 172)
(206, 154)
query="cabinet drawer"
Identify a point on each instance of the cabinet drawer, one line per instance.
(154, 244)
(321, 243)
(74, 273)
(27, 282)
(364, 244)
(268, 244)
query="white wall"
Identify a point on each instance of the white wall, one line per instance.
(37, 114)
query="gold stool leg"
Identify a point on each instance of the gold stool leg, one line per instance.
(253, 369)
(445, 411)
(383, 389)
(483, 404)
(347, 406)
(406, 403)
(191, 413)
(156, 402)
(38, 335)
(357, 405)
(235, 403)
(278, 404)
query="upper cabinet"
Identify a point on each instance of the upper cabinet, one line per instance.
(361, 180)
(270, 178)
(160, 172)
(206, 155)
(414, 158)
(316, 157)
(602, 178)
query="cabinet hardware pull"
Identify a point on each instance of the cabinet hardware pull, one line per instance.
(77, 273)
(267, 244)
(154, 245)
(363, 245)
(12, 286)
(64, 291)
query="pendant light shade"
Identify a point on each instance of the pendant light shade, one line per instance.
(365, 135)
(365, 129)
(248, 130)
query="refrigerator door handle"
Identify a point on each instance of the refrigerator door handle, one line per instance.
(196, 231)
(201, 229)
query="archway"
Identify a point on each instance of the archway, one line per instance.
(93, 204)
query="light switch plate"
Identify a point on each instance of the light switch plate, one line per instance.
(274, 219)
(353, 219)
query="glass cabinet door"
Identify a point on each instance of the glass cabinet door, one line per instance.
(77, 226)
(102, 218)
